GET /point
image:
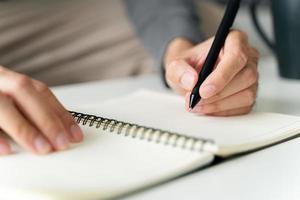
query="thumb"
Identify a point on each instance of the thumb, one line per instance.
(180, 75)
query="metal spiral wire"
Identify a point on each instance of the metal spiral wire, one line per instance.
(145, 133)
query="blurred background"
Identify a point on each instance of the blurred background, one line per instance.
(211, 13)
(63, 42)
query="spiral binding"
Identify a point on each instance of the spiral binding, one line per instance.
(146, 133)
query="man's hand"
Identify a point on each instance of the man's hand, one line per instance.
(32, 116)
(230, 89)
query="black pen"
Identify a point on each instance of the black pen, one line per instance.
(218, 43)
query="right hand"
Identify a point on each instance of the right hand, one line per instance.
(230, 89)
(32, 116)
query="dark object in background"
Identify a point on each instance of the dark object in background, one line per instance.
(246, 2)
(286, 18)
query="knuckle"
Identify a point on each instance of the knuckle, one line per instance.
(42, 87)
(240, 54)
(173, 64)
(21, 81)
(24, 133)
(67, 118)
(52, 129)
(248, 110)
(241, 35)
(251, 75)
(256, 52)
(250, 97)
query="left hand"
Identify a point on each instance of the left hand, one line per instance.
(230, 89)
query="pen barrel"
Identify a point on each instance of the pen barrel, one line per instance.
(213, 54)
(220, 37)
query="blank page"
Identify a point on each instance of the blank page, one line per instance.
(232, 134)
(105, 165)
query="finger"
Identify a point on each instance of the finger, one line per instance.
(234, 59)
(254, 54)
(74, 134)
(247, 77)
(35, 107)
(245, 98)
(233, 112)
(181, 76)
(22, 132)
(244, 79)
(197, 56)
(5, 148)
(202, 49)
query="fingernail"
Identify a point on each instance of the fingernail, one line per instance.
(208, 91)
(76, 132)
(4, 149)
(41, 145)
(61, 142)
(187, 81)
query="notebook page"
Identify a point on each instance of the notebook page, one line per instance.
(105, 165)
(232, 134)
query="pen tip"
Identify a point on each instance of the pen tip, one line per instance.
(193, 101)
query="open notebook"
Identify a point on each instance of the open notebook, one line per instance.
(117, 158)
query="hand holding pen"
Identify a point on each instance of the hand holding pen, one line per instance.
(229, 89)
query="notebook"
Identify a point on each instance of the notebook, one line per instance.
(134, 142)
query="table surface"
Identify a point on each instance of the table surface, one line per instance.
(273, 173)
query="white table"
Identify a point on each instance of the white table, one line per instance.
(273, 173)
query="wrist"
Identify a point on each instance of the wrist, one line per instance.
(176, 48)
